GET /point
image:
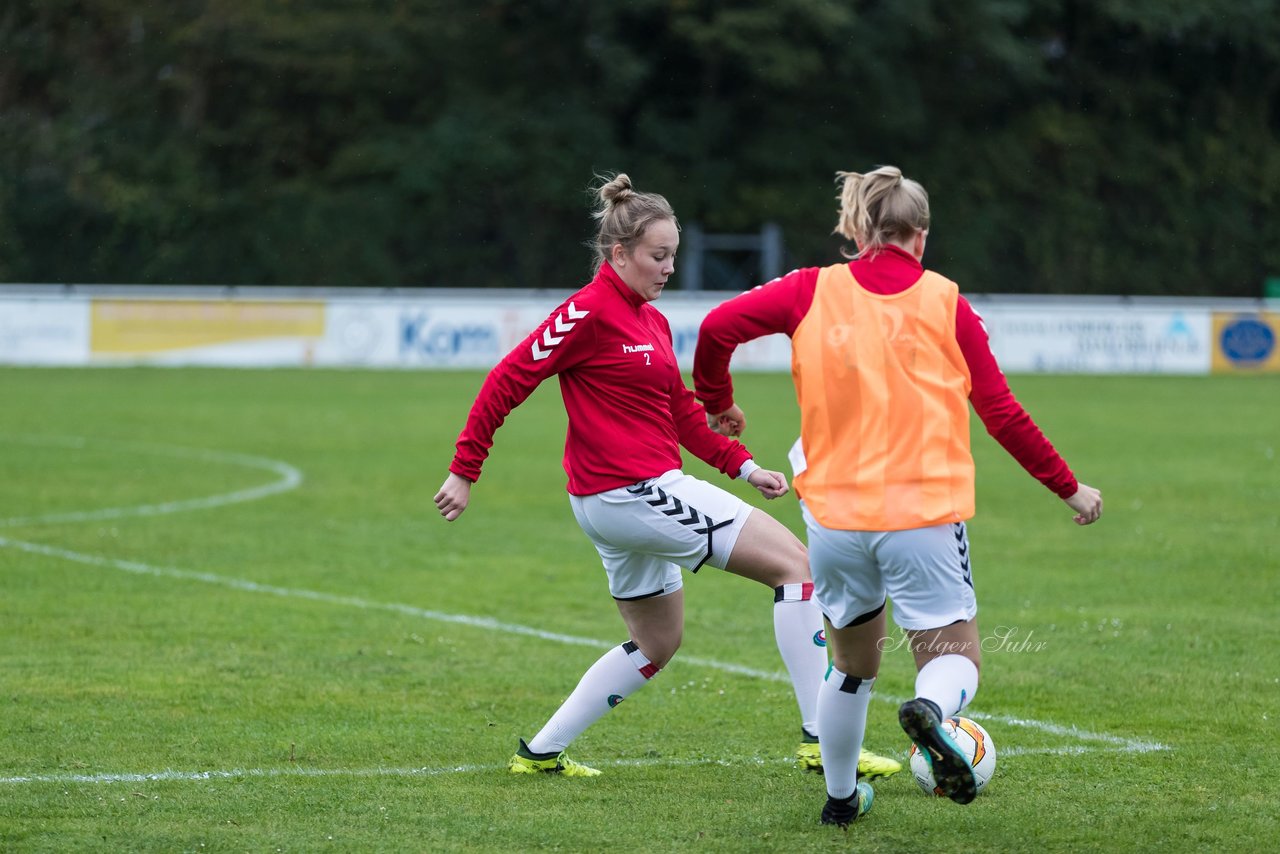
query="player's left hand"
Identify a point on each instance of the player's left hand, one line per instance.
(771, 484)
(731, 422)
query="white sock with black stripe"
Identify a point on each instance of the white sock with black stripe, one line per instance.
(797, 628)
(842, 720)
(616, 675)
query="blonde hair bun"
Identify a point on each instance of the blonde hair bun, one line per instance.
(616, 190)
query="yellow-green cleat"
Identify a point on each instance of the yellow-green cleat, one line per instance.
(526, 761)
(809, 754)
(871, 766)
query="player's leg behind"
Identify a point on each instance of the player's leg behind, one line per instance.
(765, 551)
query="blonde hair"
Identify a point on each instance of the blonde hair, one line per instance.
(879, 207)
(624, 214)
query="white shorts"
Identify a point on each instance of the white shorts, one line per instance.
(925, 572)
(646, 532)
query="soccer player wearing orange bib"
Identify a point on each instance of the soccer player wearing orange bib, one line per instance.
(886, 359)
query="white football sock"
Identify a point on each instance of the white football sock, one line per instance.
(948, 680)
(797, 628)
(842, 720)
(616, 675)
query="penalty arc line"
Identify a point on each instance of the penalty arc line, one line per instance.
(289, 478)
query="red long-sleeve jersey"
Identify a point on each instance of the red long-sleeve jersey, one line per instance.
(780, 305)
(629, 409)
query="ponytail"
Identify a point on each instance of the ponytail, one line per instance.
(880, 207)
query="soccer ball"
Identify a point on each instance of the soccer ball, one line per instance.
(977, 746)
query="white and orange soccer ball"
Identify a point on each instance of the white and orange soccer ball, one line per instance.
(978, 748)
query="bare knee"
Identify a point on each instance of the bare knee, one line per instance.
(766, 551)
(854, 662)
(856, 649)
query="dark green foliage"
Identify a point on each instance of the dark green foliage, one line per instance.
(1085, 147)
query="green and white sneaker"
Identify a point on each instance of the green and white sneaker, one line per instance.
(527, 762)
(921, 720)
(842, 812)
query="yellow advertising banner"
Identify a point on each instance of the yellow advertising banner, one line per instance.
(139, 327)
(1245, 342)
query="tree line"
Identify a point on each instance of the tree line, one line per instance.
(1069, 146)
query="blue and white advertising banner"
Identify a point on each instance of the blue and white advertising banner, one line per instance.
(1098, 340)
(462, 329)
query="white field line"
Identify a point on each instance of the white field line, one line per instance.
(171, 776)
(288, 478)
(488, 623)
(296, 593)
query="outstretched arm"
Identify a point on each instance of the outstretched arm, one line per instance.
(543, 353)
(1001, 413)
(1011, 426)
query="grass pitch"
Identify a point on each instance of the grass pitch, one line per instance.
(231, 619)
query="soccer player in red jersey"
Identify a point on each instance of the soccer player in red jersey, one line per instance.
(629, 415)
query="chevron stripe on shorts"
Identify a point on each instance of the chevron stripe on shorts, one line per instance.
(689, 516)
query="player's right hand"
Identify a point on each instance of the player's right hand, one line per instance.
(453, 497)
(1087, 502)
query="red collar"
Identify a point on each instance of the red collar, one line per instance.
(889, 271)
(610, 275)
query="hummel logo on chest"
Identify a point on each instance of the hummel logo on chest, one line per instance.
(562, 324)
(637, 348)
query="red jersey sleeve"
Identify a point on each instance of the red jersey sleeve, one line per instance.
(566, 338)
(690, 420)
(715, 450)
(775, 307)
(1002, 414)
